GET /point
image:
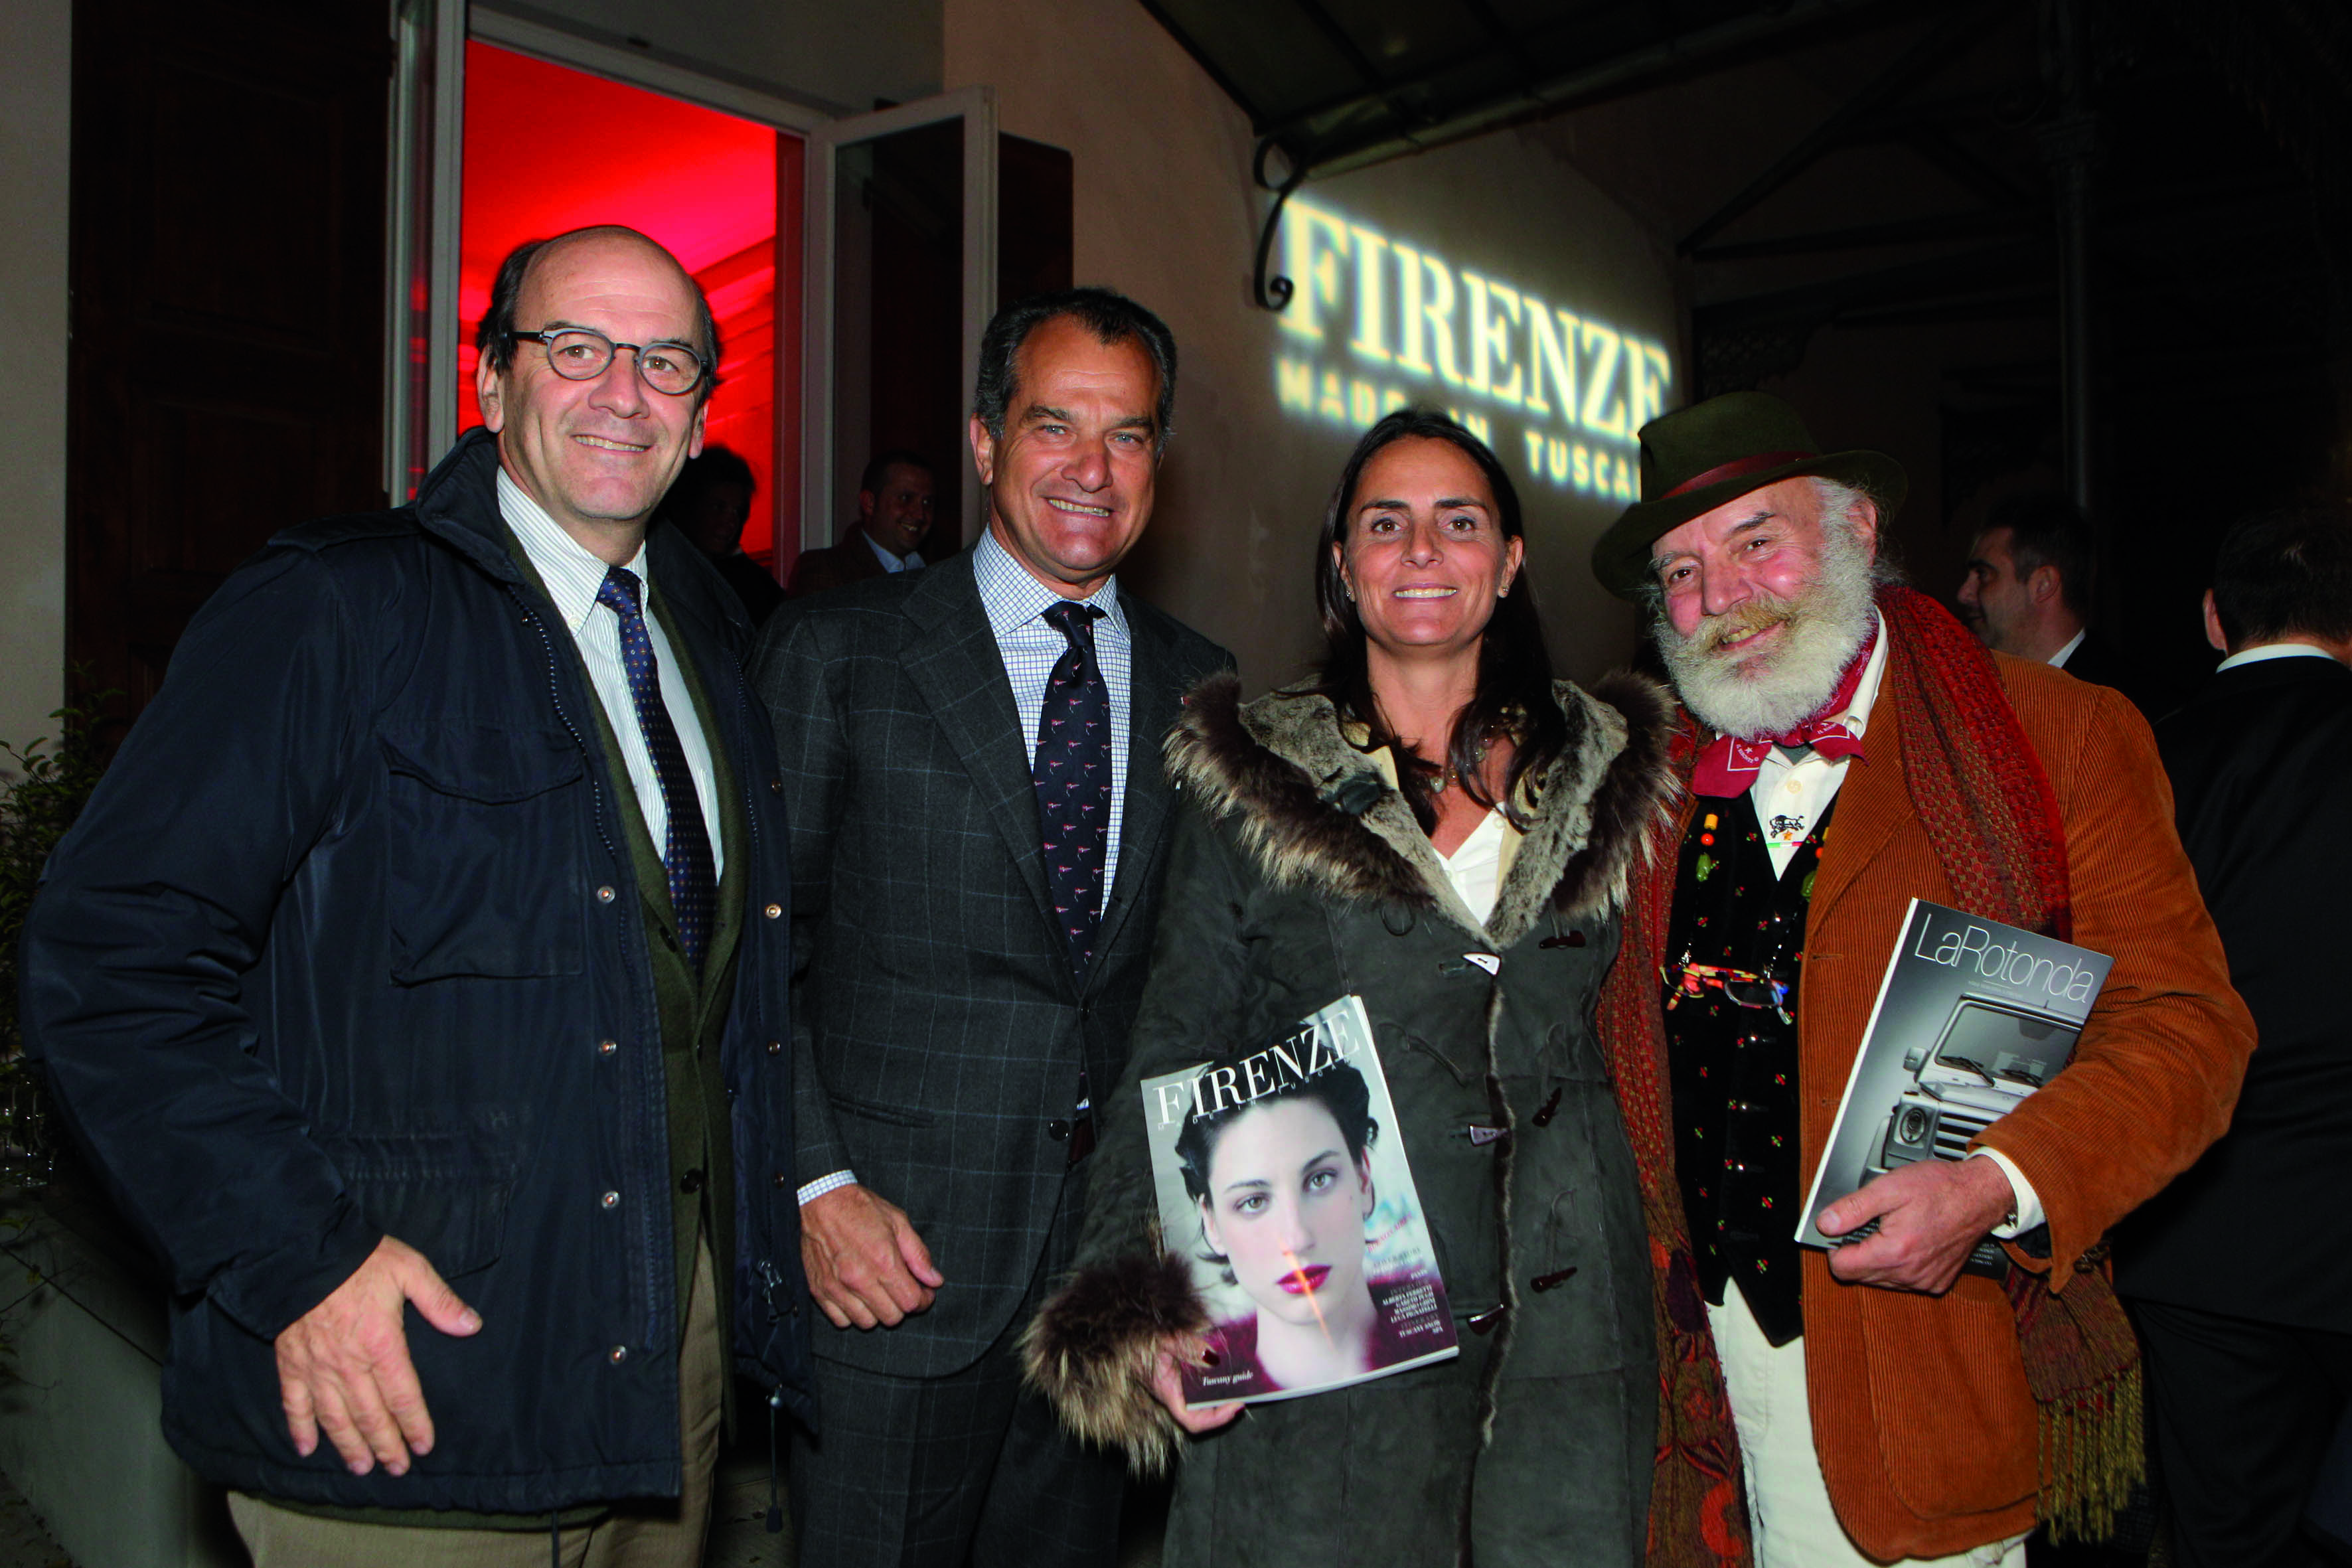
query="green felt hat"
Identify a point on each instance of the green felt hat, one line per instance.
(1697, 458)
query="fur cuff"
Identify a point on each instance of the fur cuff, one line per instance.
(1093, 1348)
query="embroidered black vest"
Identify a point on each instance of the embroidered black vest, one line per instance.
(1732, 1055)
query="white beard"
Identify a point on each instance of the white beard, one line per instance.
(1772, 691)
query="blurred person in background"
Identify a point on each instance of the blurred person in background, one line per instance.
(709, 504)
(2028, 589)
(2239, 1273)
(894, 503)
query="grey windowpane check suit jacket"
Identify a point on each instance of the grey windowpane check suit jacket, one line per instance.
(937, 1027)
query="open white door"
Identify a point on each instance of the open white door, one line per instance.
(856, 167)
(427, 148)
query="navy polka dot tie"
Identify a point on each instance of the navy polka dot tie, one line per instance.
(685, 848)
(1073, 777)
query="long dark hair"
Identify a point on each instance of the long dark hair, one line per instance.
(1514, 694)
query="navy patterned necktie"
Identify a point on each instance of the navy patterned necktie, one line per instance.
(1072, 773)
(685, 848)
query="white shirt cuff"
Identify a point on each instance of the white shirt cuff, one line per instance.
(825, 1184)
(2029, 1201)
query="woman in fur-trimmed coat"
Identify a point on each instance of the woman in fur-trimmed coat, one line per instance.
(1321, 851)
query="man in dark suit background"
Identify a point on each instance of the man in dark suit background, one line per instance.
(894, 512)
(2240, 1274)
(970, 760)
(2028, 592)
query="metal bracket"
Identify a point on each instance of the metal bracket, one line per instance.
(1271, 294)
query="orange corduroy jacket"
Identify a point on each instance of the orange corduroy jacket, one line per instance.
(1921, 1419)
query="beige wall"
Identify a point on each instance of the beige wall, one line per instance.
(1166, 212)
(33, 78)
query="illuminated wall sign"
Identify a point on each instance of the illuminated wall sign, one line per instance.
(1377, 324)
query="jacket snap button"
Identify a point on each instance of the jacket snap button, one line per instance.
(1057, 1129)
(619, 1354)
(691, 1182)
(775, 1048)
(606, 1047)
(604, 895)
(611, 1200)
(773, 912)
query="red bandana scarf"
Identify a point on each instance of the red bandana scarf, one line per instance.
(1981, 795)
(1728, 764)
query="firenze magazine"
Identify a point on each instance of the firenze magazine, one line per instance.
(1973, 1016)
(1283, 1182)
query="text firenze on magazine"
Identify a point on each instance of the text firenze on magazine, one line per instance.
(1283, 1182)
(1973, 1016)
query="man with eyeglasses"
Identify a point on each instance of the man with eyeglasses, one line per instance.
(1849, 748)
(426, 948)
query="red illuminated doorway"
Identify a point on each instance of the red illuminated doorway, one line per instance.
(722, 192)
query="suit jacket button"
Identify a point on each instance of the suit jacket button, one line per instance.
(775, 1048)
(691, 1182)
(781, 1180)
(1057, 1129)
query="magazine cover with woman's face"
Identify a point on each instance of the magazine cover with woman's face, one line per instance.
(1282, 1181)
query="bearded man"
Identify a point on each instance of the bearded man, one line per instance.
(1849, 748)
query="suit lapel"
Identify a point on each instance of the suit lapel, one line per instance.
(952, 661)
(1872, 803)
(1152, 704)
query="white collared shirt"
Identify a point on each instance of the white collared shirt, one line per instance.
(910, 562)
(2262, 653)
(572, 575)
(1789, 797)
(1015, 604)
(2058, 660)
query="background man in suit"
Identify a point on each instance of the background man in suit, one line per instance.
(971, 762)
(709, 504)
(895, 504)
(2028, 592)
(2240, 1272)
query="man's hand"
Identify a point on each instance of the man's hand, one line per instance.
(344, 1364)
(1168, 1383)
(865, 1263)
(1931, 1216)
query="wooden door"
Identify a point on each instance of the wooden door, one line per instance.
(227, 377)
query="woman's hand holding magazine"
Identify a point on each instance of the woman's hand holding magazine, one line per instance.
(1167, 1383)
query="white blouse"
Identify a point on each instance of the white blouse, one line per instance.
(1476, 866)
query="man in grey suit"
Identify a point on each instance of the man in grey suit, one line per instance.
(971, 763)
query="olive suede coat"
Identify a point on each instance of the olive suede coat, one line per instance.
(1926, 1428)
(1297, 874)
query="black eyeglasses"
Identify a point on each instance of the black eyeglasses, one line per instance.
(583, 353)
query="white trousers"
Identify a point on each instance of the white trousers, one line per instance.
(1787, 1501)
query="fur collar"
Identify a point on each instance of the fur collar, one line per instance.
(1317, 813)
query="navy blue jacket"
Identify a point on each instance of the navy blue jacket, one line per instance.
(348, 943)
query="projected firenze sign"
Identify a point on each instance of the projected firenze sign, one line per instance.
(1377, 324)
